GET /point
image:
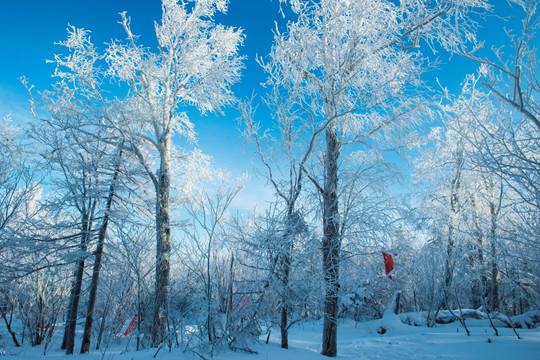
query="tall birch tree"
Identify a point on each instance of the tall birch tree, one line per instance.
(354, 67)
(195, 64)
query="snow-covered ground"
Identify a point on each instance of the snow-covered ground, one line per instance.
(359, 341)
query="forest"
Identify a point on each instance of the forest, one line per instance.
(110, 213)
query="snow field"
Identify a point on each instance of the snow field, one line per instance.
(355, 341)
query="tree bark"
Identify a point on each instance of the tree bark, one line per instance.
(68, 341)
(87, 334)
(71, 321)
(454, 211)
(39, 330)
(494, 269)
(495, 204)
(479, 282)
(231, 289)
(3, 312)
(163, 246)
(284, 326)
(209, 319)
(285, 259)
(331, 245)
(395, 302)
(449, 266)
(103, 320)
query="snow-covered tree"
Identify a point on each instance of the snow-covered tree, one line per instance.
(195, 64)
(353, 69)
(207, 208)
(284, 151)
(70, 138)
(477, 222)
(19, 194)
(20, 210)
(510, 71)
(271, 291)
(507, 142)
(132, 255)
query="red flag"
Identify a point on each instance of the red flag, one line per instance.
(245, 302)
(132, 326)
(388, 265)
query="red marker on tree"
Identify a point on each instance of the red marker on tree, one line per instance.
(132, 326)
(388, 265)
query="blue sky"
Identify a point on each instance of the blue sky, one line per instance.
(29, 29)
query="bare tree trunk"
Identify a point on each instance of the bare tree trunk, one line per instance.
(103, 320)
(285, 259)
(3, 312)
(479, 282)
(139, 310)
(449, 266)
(284, 327)
(68, 341)
(87, 334)
(331, 245)
(231, 289)
(50, 333)
(163, 246)
(494, 269)
(209, 319)
(454, 211)
(395, 302)
(38, 331)
(71, 321)
(494, 285)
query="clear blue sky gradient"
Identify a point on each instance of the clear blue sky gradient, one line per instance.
(29, 29)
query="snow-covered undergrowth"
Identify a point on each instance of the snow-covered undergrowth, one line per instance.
(355, 341)
(527, 320)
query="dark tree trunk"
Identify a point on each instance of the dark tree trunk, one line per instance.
(479, 282)
(71, 322)
(231, 289)
(494, 269)
(395, 302)
(209, 319)
(494, 295)
(284, 326)
(285, 259)
(87, 334)
(454, 211)
(40, 323)
(68, 341)
(139, 312)
(331, 245)
(163, 247)
(103, 321)
(449, 266)
(3, 311)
